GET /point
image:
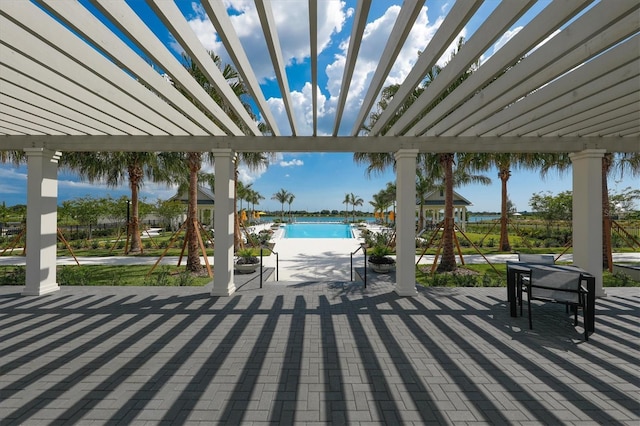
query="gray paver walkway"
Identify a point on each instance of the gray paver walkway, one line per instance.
(312, 353)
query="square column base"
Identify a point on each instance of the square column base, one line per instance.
(41, 289)
(223, 292)
(406, 292)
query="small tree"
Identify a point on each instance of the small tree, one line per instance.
(551, 208)
(170, 210)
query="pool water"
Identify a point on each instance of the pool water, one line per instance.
(317, 230)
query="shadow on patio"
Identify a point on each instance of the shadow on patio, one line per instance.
(311, 352)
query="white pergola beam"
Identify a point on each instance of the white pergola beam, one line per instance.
(313, 41)
(56, 89)
(103, 78)
(399, 33)
(126, 19)
(322, 144)
(450, 28)
(598, 29)
(359, 24)
(220, 19)
(542, 25)
(10, 108)
(26, 123)
(36, 104)
(596, 78)
(582, 113)
(491, 29)
(275, 51)
(86, 24)
(175, 21)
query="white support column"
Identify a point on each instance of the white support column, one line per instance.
(223, 284)
(587, 213)
(405, 222)
(42, 217)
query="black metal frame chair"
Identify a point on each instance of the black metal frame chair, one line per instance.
(552, 285)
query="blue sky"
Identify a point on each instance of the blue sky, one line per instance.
(319, 181)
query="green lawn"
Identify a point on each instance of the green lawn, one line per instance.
(111, 275)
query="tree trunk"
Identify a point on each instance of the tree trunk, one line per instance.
(504, 232)
(606, 213)
(237, 237)
(193, 247)
(135, 175)
(448, 260)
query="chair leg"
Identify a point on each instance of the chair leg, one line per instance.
(529, 310)
(584, 320)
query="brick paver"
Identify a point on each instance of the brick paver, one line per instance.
(312, 353)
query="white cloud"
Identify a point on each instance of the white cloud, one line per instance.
(292, 163)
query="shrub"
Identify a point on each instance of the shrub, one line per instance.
(74, 275)
(160, 278)
(184, 279)
(17, 276)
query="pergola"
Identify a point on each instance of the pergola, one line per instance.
(68, 82)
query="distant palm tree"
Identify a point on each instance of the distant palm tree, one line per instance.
(290, 199)
(355, 201)
(346, 202)
(282, 197)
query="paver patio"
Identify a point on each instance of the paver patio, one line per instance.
(312, 353)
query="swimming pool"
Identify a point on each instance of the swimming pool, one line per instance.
(317, 230)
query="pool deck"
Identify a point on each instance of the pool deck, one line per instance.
(312, 352)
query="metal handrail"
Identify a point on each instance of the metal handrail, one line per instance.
(364, 250)
(261, 266)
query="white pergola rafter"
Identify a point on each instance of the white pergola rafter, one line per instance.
(313, 41)
(399, 33)
(359, 24)
(273, 44)
(491, 29)
(570, 48)
(455, 20)
(221, 21)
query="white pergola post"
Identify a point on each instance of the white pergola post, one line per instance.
(587, 213)
(223, 284)
(42, 226)
(405, 222)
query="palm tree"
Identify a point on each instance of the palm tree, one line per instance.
(282, 197)
(378, 204)
(504, 162)
(194, 160)
(383, 199)
(355, 201)
(290, 199)
(346, 202)
(379, 161)
(115, 167)
(254, 198)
